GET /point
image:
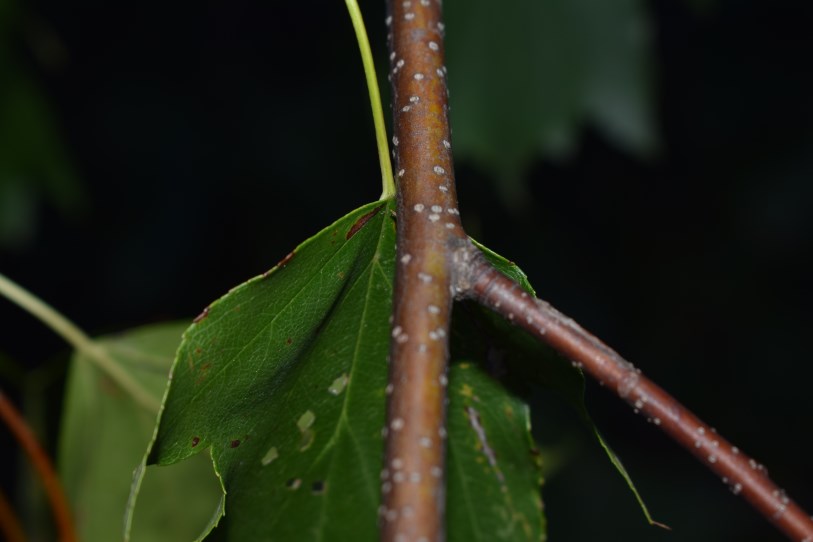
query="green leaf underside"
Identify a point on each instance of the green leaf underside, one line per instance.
(283, 379)
(103, 436)
(494, 474)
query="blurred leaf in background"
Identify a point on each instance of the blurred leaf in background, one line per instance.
(527, 76)
(34, 164)
(103, 436)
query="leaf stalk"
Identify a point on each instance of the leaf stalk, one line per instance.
(387, 182)
(78, 339)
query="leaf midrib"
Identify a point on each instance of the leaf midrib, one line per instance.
(343, 421)
(343, 418)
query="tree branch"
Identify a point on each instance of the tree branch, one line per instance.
(743, 475)
(59, 505)
(428, 229)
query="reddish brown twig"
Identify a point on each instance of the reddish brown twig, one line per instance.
(428, 224)
(10, 526)
(53, 489)
(742, 474)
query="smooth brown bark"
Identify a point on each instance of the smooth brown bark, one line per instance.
(428, 226)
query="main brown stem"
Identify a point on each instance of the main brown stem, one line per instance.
(428, 227)
(437, 263)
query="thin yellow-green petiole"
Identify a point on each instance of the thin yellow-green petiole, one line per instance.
(78, 339)
(387, 182)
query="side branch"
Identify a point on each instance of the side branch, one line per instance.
(742, 474)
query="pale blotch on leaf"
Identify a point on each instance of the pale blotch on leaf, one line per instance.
(338, 385)
(467, 391)
(269, 456)
(306, 420)
(307, 440)
(304, 423)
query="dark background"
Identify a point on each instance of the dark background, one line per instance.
(197, 144)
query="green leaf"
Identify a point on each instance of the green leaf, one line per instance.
(494, 473)
(523, 362)
(103, 436)
(34, 164)
(526, 76)
(283, 380)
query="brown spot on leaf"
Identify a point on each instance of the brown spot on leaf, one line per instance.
(362, 221)
(235, 443)
(109, 387)
(201, 316)
(195, 441)
(289, 340)
(202, 371)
